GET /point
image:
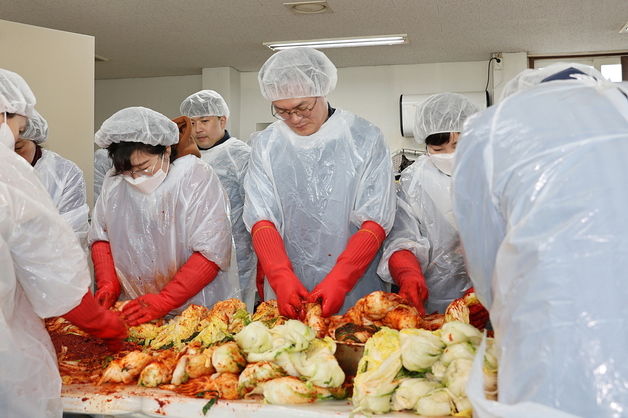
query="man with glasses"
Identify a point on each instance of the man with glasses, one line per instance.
(319, 191)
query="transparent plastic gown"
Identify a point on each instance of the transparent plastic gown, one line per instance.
(318, 190)
(230, 160)
(540, 199)
(43, 273)
(153, 235)
(425, 226)
(65, 183)
(102, 164)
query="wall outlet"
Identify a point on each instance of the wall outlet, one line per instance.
(498, 63)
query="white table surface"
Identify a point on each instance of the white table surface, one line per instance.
(136, 401)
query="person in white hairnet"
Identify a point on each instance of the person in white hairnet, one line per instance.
(540, 200)
(102, 164)
(423, 254)
(61, 177)
(160, 232)
(531, 78)
(43, 273)
(229, 157)
(319, 190)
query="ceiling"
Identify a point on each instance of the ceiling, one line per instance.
(144, 38)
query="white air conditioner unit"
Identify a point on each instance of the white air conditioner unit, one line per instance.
(409, 102)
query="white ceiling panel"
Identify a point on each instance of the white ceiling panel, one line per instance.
(144, 38)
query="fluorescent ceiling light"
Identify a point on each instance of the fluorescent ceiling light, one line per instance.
(341, 42)
(624, 29)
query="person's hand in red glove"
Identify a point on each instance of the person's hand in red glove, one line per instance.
(259, 281)
(271, 253)
(191, 278)
(478, 315)
(99, 322)
(349, 268)
(105, 273)
(406, 272)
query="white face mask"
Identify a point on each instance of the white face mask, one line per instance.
(6, 135)
(444, 162)
(148, 184)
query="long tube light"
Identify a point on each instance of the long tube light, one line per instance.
(341, 42)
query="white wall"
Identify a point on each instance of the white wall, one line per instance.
(253, 107)
(163, 94)
(513, 64)
(59, 67)
(371, 92)
(226, 82)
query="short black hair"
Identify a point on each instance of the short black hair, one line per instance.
(120, 153)
(437, 139)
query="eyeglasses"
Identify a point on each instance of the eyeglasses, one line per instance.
(144, 171)
(300, 111)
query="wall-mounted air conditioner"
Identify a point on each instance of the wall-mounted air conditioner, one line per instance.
(409, 102)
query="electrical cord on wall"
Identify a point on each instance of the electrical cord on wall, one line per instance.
(488, 78)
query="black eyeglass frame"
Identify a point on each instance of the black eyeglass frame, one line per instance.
(285, 114)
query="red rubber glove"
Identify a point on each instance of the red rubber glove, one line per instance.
(259, 281)
(406, 272)
(478, 315)
(99, 322)
(271, 253)
(105, 272)
(350, 267)
(191, 278)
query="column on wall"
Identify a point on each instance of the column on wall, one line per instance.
(512, 64)
(226, 81)
(59, 67)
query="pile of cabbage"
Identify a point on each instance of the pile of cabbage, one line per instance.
(288, 365)
(420, 370)
(195, 325)
(226, 353)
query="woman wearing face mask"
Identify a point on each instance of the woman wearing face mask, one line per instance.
(422, 254)
(160, 232)
(61, 177)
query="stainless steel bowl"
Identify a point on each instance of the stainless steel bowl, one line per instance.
(348, 356)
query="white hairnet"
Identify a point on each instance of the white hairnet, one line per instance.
(137, 124)
(15, 95)
(529, 78)
(444, 112)
(204, 103)
(36, 128)
(297, 72)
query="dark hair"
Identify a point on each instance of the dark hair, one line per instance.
(120, 153)
(437, 139)
(10, 115)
